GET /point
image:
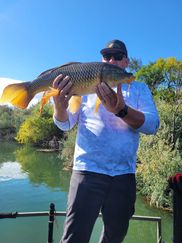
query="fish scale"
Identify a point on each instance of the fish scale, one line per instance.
(81, 74)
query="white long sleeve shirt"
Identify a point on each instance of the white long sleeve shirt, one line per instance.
(105, 143)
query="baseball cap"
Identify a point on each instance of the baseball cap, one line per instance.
(115, 46)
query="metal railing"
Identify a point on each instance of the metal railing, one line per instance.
(152, 219)
(52, 213)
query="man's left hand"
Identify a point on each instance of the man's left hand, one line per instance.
(111, 100)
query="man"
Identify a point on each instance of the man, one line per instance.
(103, 177)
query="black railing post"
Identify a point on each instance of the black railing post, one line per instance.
(175, 183)
(51, 222)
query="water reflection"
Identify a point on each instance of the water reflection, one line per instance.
(10, 171)
(7, 152)
(40, 167)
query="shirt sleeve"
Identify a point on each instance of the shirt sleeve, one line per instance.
(147, 106)
(69, 124)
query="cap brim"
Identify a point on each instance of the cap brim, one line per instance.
(111, 50)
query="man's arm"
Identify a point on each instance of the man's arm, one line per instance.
(143, 119)
(134, 118)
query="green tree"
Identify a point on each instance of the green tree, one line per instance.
(68, 146)
(158, 159)
(38, 128)
(135, 65)
(12, 117)
(163, 75)
(6, 117)
(160, 156)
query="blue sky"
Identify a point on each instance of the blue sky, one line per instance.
(40, 34)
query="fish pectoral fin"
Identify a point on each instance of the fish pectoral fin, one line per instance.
(17, 94)
(129, 80)
(97, 104)
(48, 94)
(46, 97)
(74, 103)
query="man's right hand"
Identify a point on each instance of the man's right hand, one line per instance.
(61, 101)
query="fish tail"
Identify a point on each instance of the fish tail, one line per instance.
(46, 97)
(17, 94)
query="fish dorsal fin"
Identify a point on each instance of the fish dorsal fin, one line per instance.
(49, 71)
(74, 103)
(70, 63)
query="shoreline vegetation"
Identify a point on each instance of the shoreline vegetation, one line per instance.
(159, 156)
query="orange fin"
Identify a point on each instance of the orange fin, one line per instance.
(46, 97)
(98, 102)
(74, 103)
(130, 79)
(17, 94)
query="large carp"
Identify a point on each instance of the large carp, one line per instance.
(84, 76)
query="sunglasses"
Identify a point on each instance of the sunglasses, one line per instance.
(116, 56)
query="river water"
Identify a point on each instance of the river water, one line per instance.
(30, 180)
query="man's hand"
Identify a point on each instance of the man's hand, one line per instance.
(111, 100)
(61, 101)
(64, 86)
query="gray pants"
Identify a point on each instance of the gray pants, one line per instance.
(91, 193)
